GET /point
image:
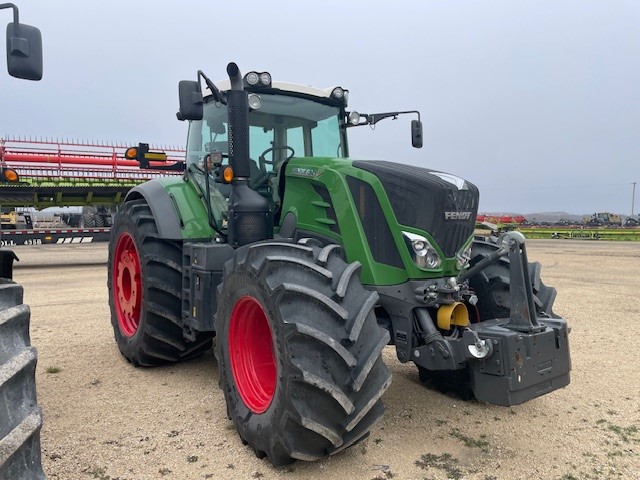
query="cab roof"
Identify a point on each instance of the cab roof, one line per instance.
(225, 85)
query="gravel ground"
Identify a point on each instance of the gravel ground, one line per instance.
(106, 420)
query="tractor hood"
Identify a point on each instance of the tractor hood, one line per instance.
(439, 203)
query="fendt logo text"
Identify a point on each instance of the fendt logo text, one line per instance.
(457, 215)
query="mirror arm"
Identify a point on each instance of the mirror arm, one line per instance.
(373, 118)
(376, 117)
(16, 16)
(217, 94)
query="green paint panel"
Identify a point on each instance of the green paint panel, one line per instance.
(313, 215)
(338, 219)
(189, 207)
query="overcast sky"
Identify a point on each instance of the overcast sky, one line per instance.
(536, 102)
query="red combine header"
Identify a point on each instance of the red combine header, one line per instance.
(63, 159)
(504, 219)
(43, 173)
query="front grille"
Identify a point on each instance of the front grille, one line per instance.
(420, 198)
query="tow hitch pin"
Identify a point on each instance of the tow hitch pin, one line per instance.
(481, 348)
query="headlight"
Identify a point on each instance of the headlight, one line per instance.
(463, 256)
(423, 254)
(354, 118)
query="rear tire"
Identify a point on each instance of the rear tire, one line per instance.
(20, 417)
(299, 351)
(145, 291)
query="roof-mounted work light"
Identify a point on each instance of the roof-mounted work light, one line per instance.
(257, 79)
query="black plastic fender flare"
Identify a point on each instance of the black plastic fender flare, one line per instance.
(163, 208)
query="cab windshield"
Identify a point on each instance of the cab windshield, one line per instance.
(285, 126)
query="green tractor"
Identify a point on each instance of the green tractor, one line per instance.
(303, 265)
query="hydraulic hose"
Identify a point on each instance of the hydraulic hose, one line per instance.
(482, 264)
(430, 332)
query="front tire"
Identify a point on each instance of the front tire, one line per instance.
(492, 285)
(299, 351)
(145, 291)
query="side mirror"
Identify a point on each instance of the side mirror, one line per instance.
(24, 51)
(416, 133)
(191, 101)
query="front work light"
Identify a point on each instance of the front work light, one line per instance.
(255, 102)
(341, 95)
(252, 78)
(265, 79)
(258, 79)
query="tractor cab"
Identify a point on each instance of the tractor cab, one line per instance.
(285, 120)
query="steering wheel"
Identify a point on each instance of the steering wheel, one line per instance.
(264, 161)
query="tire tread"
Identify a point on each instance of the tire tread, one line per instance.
(159, 339)
(333, 364)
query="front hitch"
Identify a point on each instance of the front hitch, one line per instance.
(523, 316)
(523, 313)
(510, 360)
(529, 355)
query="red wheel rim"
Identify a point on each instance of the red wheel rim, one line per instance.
(251, 354)
(127, 285)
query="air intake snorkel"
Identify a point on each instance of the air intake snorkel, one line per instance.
(250, 216)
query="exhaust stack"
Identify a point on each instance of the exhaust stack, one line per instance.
(238, 107)
(250, 215)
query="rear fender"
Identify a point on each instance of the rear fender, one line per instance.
(177, 209)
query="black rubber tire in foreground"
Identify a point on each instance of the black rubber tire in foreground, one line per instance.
(155, 334)
(492, 287)
(326, 345)
(20, 417)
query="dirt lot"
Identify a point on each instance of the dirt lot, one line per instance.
(105, 419)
